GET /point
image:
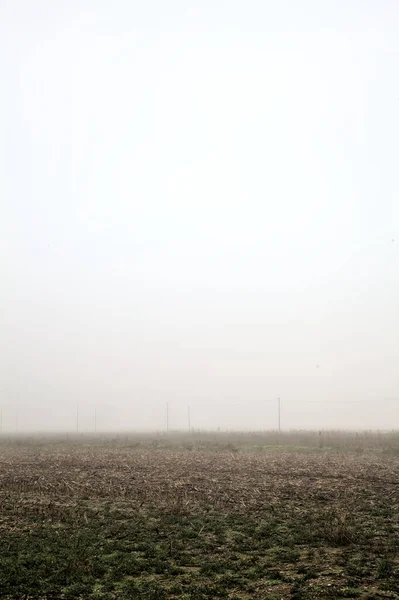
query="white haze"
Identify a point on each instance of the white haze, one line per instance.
(199, 206)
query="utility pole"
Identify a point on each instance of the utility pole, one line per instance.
(279, 414)
(167, 417)
(189, 419)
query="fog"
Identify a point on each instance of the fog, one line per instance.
(199, 207)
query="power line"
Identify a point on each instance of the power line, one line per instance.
(332, 402)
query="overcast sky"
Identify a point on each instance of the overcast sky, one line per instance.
(199, 205)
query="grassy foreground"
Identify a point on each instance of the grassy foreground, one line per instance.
(199, 518)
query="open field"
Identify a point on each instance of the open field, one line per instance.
(238, 516)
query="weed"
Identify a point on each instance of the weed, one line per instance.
(385, 567)
(147, 518)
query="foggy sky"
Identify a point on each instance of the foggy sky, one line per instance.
(199, 205)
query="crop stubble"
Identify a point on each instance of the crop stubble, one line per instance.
(126, 522)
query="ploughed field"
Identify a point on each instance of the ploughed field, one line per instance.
(111, 520)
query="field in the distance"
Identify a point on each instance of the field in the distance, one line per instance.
(238, 516)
